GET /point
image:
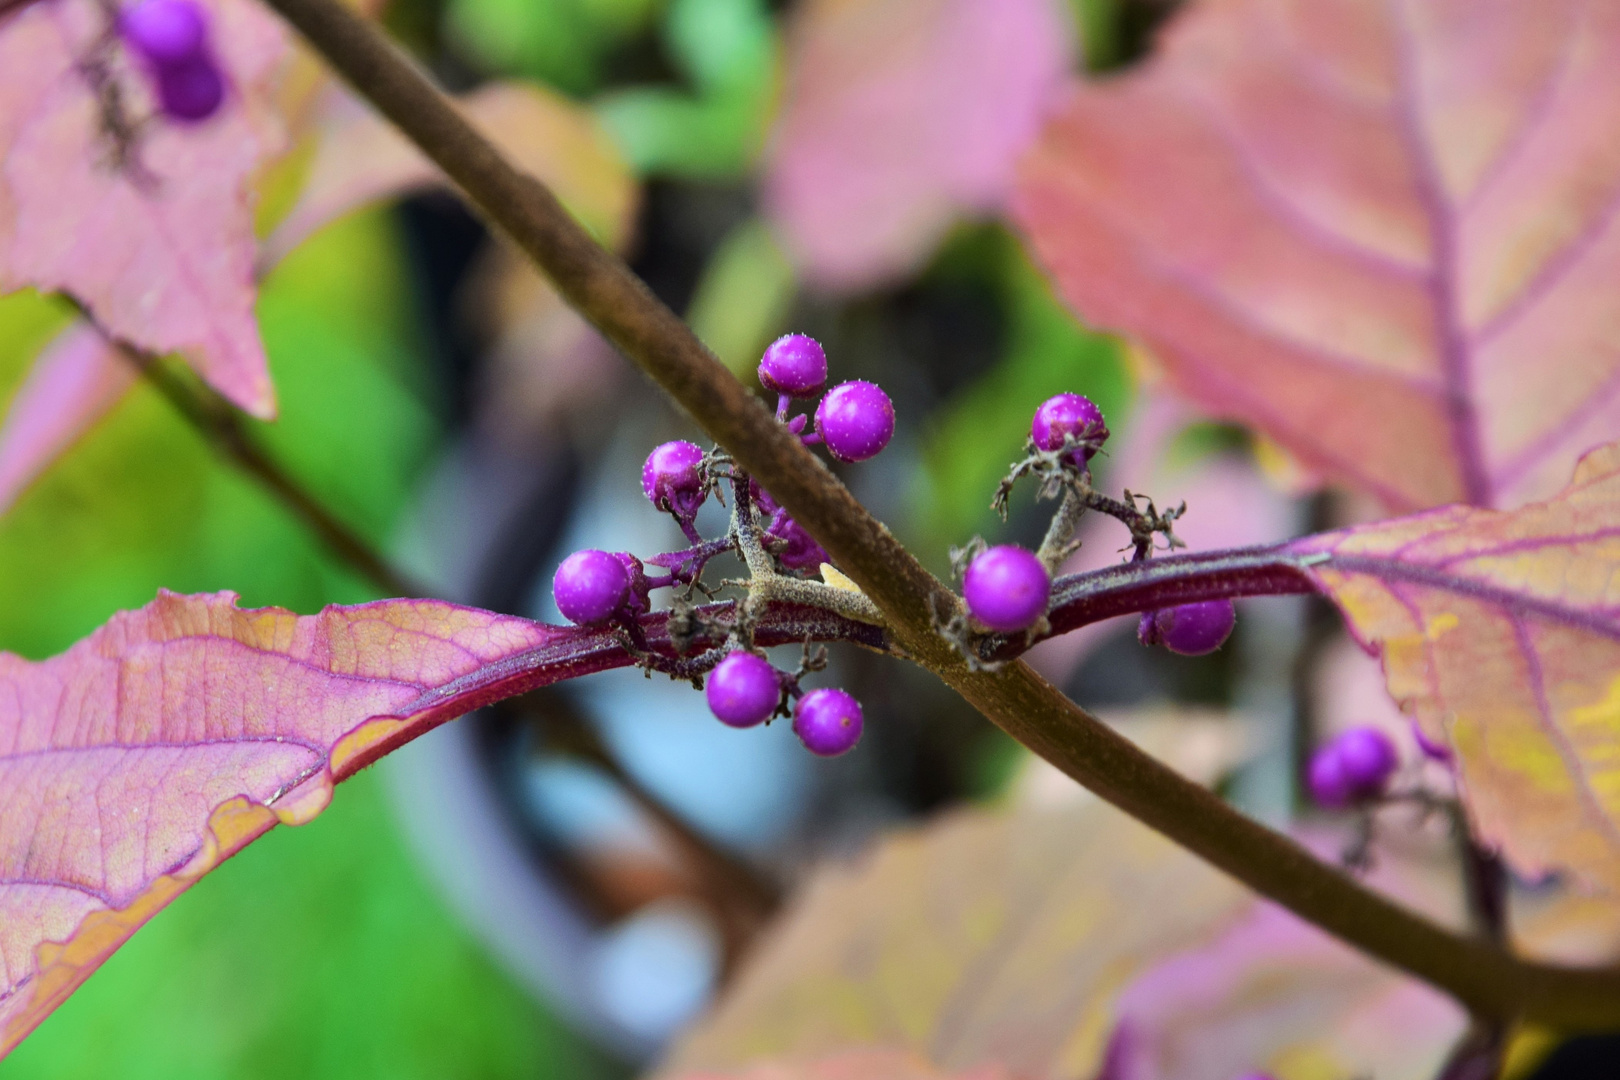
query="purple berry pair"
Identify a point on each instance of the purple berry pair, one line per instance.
(171, 39)
(745, 690)
(855, 419)
(1352, 768)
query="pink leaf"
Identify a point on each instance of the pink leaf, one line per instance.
(162, 251)
(854, 1065)
(1270, 989)
(1385, 234)
(74, 382)
(148, 753)
(900, 116)
(1500, 634)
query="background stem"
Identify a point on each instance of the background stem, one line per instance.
(596, 283)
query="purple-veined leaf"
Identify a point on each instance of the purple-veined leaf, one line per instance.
(141, 758)
(75, 381)
(160, 248)
(1382, 233)
(899, 117)
(1500, 633)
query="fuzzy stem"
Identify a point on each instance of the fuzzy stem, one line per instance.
(1484, 978)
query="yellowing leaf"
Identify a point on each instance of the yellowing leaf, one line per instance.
(1500, 632)
(983, 939)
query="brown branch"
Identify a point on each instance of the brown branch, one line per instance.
(1483, 977)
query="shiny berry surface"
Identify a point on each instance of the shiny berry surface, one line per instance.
(828, 722)
(743, 690)
(1189, 629)
(590, 586)
(165, 32)
(795, 365)
(672, 477)
(1006, 588)
(856, 420)
(1067, 415)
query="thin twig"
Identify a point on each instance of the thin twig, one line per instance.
(218, 423)
(1483, 977)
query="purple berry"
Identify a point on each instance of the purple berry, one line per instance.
(590, 586)
(165, 33)
(673, 478)
(1368, 759)
(795, 365)
(1007, 588)
(1189, 629)
(1355, 765)
(640, 588)
(191, 91)
(856, 419)
(828, 722)
(743, 690)
(1326, 779)
(1065, 415)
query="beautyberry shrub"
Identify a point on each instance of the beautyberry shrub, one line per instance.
(828, 722)
(1189, 629)
(794, 365)
(1065, 416)
(1007, 588)
(590, 587)
(856, 420)
(743, 690)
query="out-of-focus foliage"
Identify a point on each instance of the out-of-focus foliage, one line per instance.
(726, 52)
(563, 42)
(982, 428)
(321, 955)
(143, 503)
(743, 298)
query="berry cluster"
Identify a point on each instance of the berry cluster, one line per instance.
(170, 37)
(855, 421)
